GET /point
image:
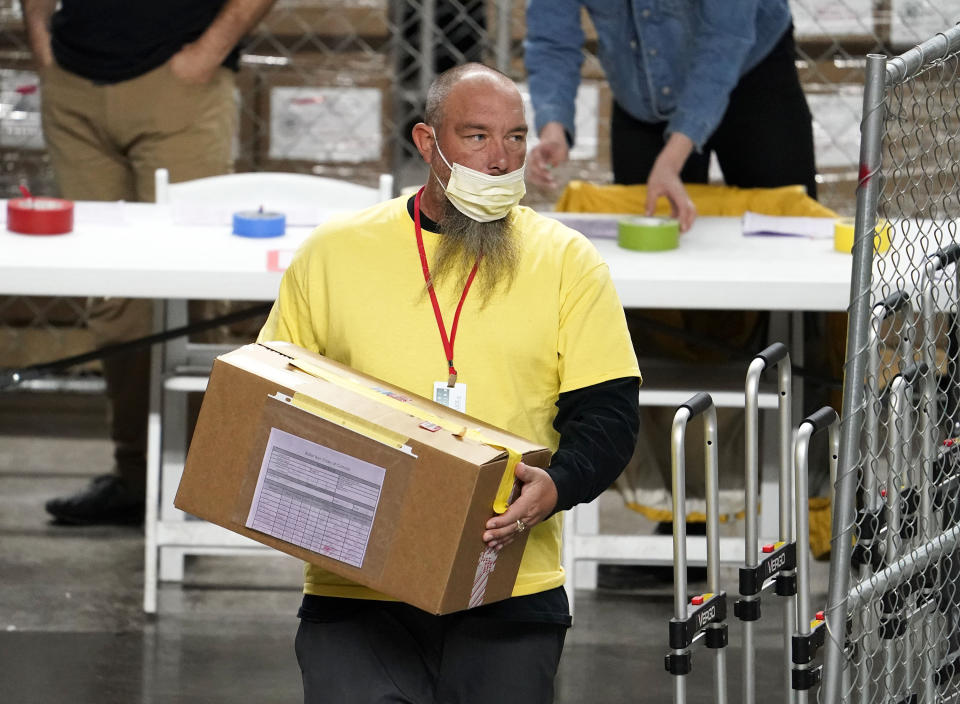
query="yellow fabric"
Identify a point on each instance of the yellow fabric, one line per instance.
(820, 526)
(355, 293)
(711, 200)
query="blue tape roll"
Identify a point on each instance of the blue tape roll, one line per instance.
(256, 223)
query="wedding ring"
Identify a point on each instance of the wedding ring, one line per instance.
(521, 526)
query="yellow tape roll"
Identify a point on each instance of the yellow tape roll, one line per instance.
(843, 232)
(645, 234)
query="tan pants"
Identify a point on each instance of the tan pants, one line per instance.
(105, 143)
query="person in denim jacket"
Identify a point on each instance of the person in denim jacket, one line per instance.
(688, 77)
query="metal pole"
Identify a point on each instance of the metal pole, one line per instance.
(713, 541)
(928, 590)
(428, 21)
(504, 10)
(893, 542)
(802, 445)
(871, 494)
(900, 572)
(787, 492)
(776, 353)
(750, 551)
(868, 190)
(678, 473)
(928, 431)
(909, 63)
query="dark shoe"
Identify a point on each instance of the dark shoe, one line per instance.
(666, 528)
(627, 577)
(106, 500)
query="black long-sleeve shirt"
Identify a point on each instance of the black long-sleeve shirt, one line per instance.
(598, 430)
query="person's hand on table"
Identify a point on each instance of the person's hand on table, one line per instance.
(551, 151)
(537, 499)
(664, 180)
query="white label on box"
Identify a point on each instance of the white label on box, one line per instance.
(341, 125)
(585, 121)
(819, 18)
(915, 21)
(20, 110)
(836, 125)
(316, 498)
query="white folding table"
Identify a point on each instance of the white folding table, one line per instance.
(139, 250)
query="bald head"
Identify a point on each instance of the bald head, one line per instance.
(468, 77)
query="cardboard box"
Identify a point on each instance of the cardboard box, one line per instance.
(328, 112)
(20, 110)
(819, 19)
(327, 18)
(372, 483)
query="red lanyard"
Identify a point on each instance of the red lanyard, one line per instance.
(447, 342)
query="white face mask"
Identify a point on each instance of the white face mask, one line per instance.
(481, 196)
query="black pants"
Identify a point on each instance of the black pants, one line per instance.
(389, 652)
(764, 140)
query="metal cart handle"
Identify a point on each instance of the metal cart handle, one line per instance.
(773, 354)
(946, 256)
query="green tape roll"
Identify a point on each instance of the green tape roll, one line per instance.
(645, 234)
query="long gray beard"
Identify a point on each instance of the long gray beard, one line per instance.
(464, 240)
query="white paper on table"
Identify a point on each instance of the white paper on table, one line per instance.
(788, 226)
(594, 226)
(316, 497)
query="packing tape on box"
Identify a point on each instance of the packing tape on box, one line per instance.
(40, 216)
(843, 234)
(349, 420)
(507, 480)
(485, 566)
(259, 224)
(648, 234)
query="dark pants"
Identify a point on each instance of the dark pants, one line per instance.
(764, 140)
(389, 652)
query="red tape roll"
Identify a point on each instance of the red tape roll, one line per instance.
(40, 216)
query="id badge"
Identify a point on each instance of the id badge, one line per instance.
(452, 397)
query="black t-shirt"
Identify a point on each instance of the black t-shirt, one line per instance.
(115, 40)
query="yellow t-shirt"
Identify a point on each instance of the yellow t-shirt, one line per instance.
(355, 293)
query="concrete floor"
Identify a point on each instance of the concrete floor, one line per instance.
(72, 628)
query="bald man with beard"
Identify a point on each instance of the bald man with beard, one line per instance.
(539, 347)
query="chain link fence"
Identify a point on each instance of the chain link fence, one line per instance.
(332, 87)
(894, 604)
